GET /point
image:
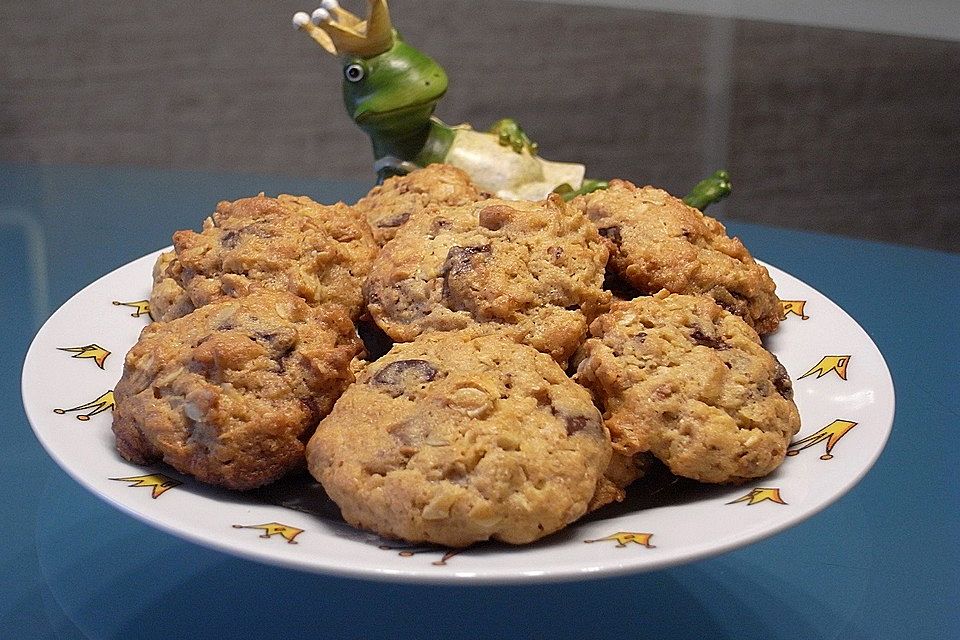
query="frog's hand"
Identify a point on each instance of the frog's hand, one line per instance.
(389, 166)
(708, 191)
(713, 189)
(589, 185)
(510, 134)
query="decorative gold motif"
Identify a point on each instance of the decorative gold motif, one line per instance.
(157, 481)
(103, 403)
(408, 551)
(91, 351)
(831, 433)
(837, 364)
(141, 308)
(760, 494)
(793, 306)
(285, 531)
(623, 538)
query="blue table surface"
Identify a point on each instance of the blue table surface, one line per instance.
(882, 562)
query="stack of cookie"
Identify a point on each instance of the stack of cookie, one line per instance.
(516, 392)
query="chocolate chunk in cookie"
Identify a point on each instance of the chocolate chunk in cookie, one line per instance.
(398, 376)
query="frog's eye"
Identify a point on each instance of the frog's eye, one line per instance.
(353, 72)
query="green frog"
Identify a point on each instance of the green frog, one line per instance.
(391, 90)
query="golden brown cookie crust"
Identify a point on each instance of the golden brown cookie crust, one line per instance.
(461, 437)
(320, 253)
(689, 382)
(534, 270)
(659, 242)
(231, 392)
(168, 299)
(388, 206)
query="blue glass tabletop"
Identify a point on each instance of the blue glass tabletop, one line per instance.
(880, 563)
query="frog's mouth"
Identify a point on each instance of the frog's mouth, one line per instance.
(423, 110)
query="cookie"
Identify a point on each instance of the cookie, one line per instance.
(389, 205)
(320, 253)
(231, 392)
(658, 242)
(533, 270)
(680, 377)
(621, 472)
(168, 300)
(460, 437)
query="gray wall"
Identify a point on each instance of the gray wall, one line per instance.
(831, 130)
(924, 18)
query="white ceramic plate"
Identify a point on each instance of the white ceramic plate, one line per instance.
(842, 385)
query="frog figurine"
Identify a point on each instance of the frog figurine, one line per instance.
(391, 89)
